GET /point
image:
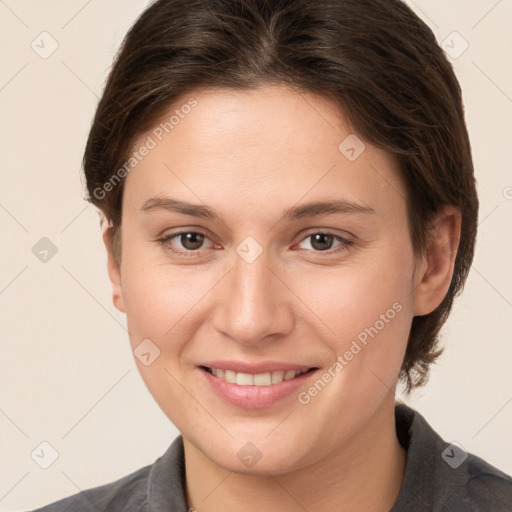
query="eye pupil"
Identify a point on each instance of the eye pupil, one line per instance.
(192, 241)
(321, 237)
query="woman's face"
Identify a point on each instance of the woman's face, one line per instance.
(266, 280)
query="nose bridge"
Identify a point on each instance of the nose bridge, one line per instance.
(255, 306)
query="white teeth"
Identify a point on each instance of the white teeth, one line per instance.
(259, 379)
(277, 377)
(230, 376)
(290, 374)
(244, 379)
(263, 379)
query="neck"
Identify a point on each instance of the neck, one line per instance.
(365, 474)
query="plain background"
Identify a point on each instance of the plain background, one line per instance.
(67, 375)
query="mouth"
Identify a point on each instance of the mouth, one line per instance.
(254, 386)
(269, 378)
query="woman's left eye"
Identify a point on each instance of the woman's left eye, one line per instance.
(322, 242)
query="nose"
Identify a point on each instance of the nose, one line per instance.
(254, 306)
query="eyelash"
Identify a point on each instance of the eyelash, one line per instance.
(164, 242)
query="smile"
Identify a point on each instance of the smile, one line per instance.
(258, 386)
(258, 379)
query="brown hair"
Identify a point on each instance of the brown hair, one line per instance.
(375, 58)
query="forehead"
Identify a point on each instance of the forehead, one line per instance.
(266, 146)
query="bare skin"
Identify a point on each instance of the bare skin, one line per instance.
(304, 300)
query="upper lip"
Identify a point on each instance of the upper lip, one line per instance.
(256, 368)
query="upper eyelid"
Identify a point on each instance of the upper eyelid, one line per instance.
(345, 235)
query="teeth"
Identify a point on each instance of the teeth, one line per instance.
(277, 377)
(289, 375)
(230, 376)
(260, 379)
(244, 379)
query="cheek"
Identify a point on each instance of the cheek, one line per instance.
(364, 309)
(163, 306)
(160, 299)
(370, 315)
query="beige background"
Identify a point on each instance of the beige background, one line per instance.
(67, 375)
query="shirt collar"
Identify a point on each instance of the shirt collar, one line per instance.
(428, 479)
(166, 481)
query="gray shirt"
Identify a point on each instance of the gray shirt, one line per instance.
(439, 477)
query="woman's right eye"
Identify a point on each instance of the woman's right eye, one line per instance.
(190, 241)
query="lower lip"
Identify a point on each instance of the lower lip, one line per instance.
(254, 397)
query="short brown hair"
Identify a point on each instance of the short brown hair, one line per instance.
(375, 58)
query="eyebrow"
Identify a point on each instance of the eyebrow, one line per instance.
(303, 211)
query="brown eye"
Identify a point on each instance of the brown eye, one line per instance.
(185, 243)
(324, 241)
(321, 241)
(191, 241)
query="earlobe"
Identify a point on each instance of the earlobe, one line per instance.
(114, 270)
(436, 271)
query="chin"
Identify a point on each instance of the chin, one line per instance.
(255, 455)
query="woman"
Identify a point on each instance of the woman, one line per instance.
(291, 212)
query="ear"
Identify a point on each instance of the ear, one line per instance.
(114, 270)
(435, 270)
